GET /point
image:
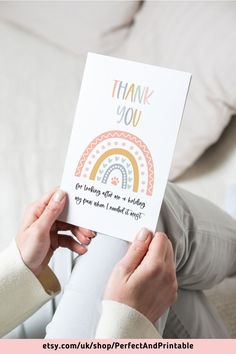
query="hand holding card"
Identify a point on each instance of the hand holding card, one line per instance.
(121, 146)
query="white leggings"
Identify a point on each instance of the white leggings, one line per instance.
(204, 242)
(80, 306)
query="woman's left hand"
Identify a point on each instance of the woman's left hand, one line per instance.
(38, 236)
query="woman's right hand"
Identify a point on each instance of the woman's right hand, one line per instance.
(39, 235)
(145, 278)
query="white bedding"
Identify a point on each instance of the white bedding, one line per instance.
(39, 88)
(198, 37)
(215, 172)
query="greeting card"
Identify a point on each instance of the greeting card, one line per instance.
(121, 146)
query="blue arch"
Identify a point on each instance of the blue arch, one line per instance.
(113, 167)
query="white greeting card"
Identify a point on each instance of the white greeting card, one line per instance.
(121, 146)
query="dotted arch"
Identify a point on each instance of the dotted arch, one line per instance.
(127, 136)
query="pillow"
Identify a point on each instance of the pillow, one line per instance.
(39, 89)
(79, 26)
(198, 37)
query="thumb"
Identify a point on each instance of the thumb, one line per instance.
(52, 210)
(136, 251)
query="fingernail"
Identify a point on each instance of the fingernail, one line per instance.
(94, 233)
(143, 234)
(58, 196)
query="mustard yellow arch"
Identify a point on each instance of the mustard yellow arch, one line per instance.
(118, 152)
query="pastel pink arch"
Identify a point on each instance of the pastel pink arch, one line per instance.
(128, 136)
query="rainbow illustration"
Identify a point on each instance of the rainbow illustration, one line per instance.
(118, 158)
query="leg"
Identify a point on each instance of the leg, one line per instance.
(193, 317)
(204, 241)
(79, 309)
(203, 237)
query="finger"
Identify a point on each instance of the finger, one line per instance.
(52, 211)
(35, 210)
(170, 253)
(136, 251)
(170, 266)
(75, 229)
(68, 242)
(80, 236)
(157, 250)
(82, 239)
(87, 232)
